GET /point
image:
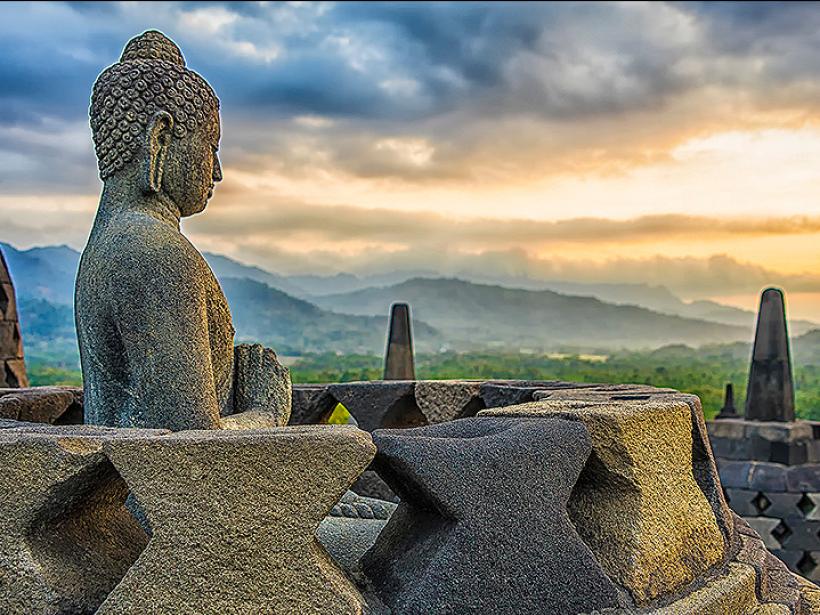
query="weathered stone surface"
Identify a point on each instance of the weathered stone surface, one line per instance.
(354, 506)
(754, 475)
(764, 528)
(782, 505)
(447, 400)
(11, 342)
(234, 516)
(351, 528)
(774, 581)
(12, 365)
(803, 478)
(312, 404)
(42, 404)
(251, 420)
(637, 504)
(377, 405)
(370, 484)
(705, 471)
(254, 394)
(770, 392)
(399, 363)
(729, 594)
(14, 374)
(770, 431)
(498, 394)
(704, 467)
(482, 526)
(154, 328)
(67, 538)
(811, 595)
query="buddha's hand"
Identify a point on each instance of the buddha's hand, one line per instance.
(262, 383)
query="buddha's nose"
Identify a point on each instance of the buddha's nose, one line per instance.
(217, 176)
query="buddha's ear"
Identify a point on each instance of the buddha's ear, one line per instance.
(160, 129)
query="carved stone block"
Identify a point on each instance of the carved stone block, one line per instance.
(482, 526)
(67, 538)
(233, 517)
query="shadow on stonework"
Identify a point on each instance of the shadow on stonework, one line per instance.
(85, 539)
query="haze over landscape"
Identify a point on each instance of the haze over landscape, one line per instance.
(603, 187)
(663, 144)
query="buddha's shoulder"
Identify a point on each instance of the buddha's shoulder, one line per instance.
(138, 244)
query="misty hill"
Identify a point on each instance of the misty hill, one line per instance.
(656, 298)
(43, 273)
(267, 315)
(593, 315)
(260, 314)
(224, 267)
(49, 272)
(481, 314)
(661, 299)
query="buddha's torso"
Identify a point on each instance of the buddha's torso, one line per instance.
(135, 273)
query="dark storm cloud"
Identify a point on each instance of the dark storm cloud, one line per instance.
(450, 72)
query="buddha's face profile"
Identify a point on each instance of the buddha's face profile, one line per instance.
(192, 166)
(156, 123)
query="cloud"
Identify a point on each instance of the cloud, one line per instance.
(267, 216)
(692, 277)
(589, 86)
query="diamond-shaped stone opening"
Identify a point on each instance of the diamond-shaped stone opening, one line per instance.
(807, 564)
(806, 505)
(761, 502)
(781, 532)
(404, 413)
(85, 532)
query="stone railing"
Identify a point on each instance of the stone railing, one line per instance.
(542, 497)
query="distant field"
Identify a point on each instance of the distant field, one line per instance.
(691, 371)
(702, 372)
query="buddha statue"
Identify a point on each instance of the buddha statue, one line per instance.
(154, 327)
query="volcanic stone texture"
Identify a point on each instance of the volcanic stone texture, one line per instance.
(482, 526)
(12, 365)
(66, 538)
(254, 394)
(54, 405)
(403, 404)
(771, 475)
(770, 392)
(399, 363)
(233, 518)
(637, 504)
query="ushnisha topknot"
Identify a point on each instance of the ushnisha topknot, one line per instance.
(151, 77)
(152, 45)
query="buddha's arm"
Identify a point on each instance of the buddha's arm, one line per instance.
(162, 317)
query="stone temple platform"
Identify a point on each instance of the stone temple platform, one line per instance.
(512, 497)
(769, 462)
(770, 472)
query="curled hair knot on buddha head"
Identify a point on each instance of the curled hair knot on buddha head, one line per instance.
(150, 78)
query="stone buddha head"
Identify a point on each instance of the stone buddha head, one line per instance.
(155, 124)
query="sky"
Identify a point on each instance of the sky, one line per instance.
(662, 143)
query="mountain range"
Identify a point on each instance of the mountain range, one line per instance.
(347, 313)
